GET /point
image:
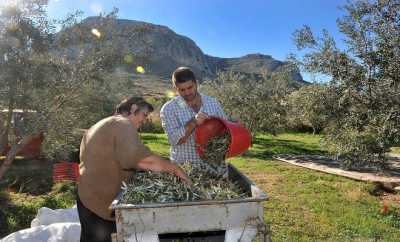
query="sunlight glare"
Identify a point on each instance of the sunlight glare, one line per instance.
(96, 33)
(140, 69)
(9, 3)
(170, 94)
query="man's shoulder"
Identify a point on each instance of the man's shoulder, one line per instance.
(123, 127)
(170, 104)
(118, 123)
(102, 127)
(209, 99)
(121, 121)
(105, 122)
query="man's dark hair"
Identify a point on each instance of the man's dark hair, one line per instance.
(125, 105)
(182, 74)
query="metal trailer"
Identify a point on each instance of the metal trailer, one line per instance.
(238, 220)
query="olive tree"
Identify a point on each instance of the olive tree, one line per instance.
(256, 100)
(365, 80)
(24, 43)
(310, 107)
(67, 88)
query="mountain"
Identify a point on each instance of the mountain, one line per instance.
(251, 64)
(160, 50)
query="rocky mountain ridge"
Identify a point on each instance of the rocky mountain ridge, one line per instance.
(160, 50)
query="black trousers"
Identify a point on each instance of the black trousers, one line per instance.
(93, 227)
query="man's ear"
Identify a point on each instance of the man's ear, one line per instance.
(134, 107)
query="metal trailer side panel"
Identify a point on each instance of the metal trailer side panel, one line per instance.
(139, 224)
(240, 218)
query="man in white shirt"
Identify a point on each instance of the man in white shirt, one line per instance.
(182, 114)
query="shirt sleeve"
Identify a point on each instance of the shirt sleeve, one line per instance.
(128, 147)
(170, 123)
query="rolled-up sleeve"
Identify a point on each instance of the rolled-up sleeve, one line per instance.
(171, 125)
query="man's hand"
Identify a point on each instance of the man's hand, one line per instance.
(190, 126)
(200, 118)
(159, 164)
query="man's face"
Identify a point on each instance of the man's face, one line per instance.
(187, 90)
(139, 117)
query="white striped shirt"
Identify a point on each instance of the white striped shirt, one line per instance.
(174, 115)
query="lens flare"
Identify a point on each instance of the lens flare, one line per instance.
(128, 59)
(170, 94)
(96, 33)
(140, 69)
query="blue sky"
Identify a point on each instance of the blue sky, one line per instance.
(223, 28)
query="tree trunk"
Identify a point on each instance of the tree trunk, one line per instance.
(12, 153)
(5, 128)
(3, 138)
(11, 106)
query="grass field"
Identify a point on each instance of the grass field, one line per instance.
(303, 205)
(18, 209)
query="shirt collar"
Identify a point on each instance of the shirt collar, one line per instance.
(182, 103)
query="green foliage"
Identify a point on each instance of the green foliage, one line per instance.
(152, 126)
(152, 187)
(357, 148)
(68, 79)
(153, 122)
(258, 101)
(365, 86)
(87, 98)
(28, 176)
(309, 106)
(62, 195)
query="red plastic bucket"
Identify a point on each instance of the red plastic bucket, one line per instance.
(240, 136)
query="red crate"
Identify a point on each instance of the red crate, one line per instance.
(65, 171)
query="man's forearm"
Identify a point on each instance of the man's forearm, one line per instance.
(157, 164)
(152, 163)
(189, 127)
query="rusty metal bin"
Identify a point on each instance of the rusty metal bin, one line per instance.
(222, 220)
